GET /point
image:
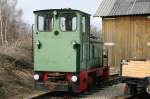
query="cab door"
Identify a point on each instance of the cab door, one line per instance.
(85, 32)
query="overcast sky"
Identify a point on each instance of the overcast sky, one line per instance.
(89, 6)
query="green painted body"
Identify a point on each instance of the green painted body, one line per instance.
(57, 53)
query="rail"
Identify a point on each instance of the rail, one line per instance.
(112, 80)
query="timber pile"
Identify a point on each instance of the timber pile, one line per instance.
(136, 69)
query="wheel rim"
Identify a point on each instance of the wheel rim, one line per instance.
(148, 89)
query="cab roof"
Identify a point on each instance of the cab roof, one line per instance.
(65, 9)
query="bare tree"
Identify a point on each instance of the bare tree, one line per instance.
(95, 32)
(1, 21)
(10, 21)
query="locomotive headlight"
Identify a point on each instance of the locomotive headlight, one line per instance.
(74, 78)
(37, 42)
(74, 42)
(36, 77)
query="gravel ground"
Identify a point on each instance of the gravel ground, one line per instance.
(110, 92)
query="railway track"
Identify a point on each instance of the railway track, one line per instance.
(88, 95)
(96, 92)
(55, 95)
(64, 95)
(138, 96)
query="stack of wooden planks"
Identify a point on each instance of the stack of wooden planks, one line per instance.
(136, 69)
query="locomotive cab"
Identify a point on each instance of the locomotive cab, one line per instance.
(64, 54)
(57, 35)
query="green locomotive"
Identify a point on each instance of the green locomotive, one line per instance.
(66, 56)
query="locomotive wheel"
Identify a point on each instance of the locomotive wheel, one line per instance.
(130, 89)
(99, 82)
(90, 83)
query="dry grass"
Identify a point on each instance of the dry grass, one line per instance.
(16, 69)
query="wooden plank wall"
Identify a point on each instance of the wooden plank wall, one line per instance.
(130, 35)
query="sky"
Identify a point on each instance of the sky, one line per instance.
(89, 6)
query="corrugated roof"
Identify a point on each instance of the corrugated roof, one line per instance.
(123, 7)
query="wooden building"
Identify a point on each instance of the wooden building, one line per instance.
(126, 29)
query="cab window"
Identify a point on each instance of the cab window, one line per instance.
(83, 24)
(68, 22)
(45, 22)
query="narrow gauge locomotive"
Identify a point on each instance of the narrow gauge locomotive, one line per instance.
(66, 57)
